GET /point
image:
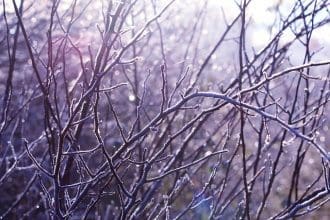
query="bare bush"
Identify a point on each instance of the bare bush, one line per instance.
(142, 109)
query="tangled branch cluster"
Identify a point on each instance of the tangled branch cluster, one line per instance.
(119, 110)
